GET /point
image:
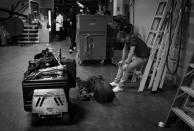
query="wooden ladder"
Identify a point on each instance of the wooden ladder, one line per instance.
(160, 69)
(155, 35)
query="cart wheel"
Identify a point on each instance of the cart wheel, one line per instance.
(35, 120)
(80, 62)
(102, 62)
(65, 118)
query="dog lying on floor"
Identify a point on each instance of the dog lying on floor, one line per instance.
(95, 87)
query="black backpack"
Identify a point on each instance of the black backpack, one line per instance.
(101, 88)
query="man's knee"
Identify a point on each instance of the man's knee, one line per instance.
(128, 67)
(125, 67)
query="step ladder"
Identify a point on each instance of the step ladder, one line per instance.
(183, 104)
(182, 107)
(154, 38)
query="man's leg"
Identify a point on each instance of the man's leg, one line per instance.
(118, 77)
(127, 69)
(57, 35)
(71, 40)
(61, 33)
(119, 74)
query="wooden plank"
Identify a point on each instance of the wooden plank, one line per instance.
(147, 70)
(163, 78)
(160, 68)
(161, 48)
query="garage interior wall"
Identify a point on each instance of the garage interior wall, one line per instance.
(143, 15)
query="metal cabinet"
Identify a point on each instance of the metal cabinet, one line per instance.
(91, 37)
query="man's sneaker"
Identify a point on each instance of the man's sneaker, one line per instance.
(74, 48)
(117, 89)
(114, 83)
(70, 50)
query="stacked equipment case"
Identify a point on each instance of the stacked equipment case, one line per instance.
(47, 72)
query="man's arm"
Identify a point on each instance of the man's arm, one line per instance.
(125, 52)
(130, 54)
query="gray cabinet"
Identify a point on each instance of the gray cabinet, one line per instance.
(91, 37)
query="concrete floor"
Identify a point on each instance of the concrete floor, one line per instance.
(129, 110)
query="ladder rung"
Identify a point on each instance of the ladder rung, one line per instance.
(29, 33)
(153, 31)
(189, 73)
(187, 90)
(26, 24)
(183, 116)
(161, 31)
(189, 110)
(150, 46)
(28, 41)
(163, 0)
(158, 16)
(30, 29)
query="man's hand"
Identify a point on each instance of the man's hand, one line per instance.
(126, 64)
(120, 63)
(127, 61)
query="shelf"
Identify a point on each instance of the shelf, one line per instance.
(153, 31)
(158, 16)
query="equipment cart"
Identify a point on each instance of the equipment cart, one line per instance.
(46, 86)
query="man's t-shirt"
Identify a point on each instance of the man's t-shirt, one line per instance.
(72, 20)
(59, 22)
(141, 49)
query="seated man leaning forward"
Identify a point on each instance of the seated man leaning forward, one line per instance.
(134, 48)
